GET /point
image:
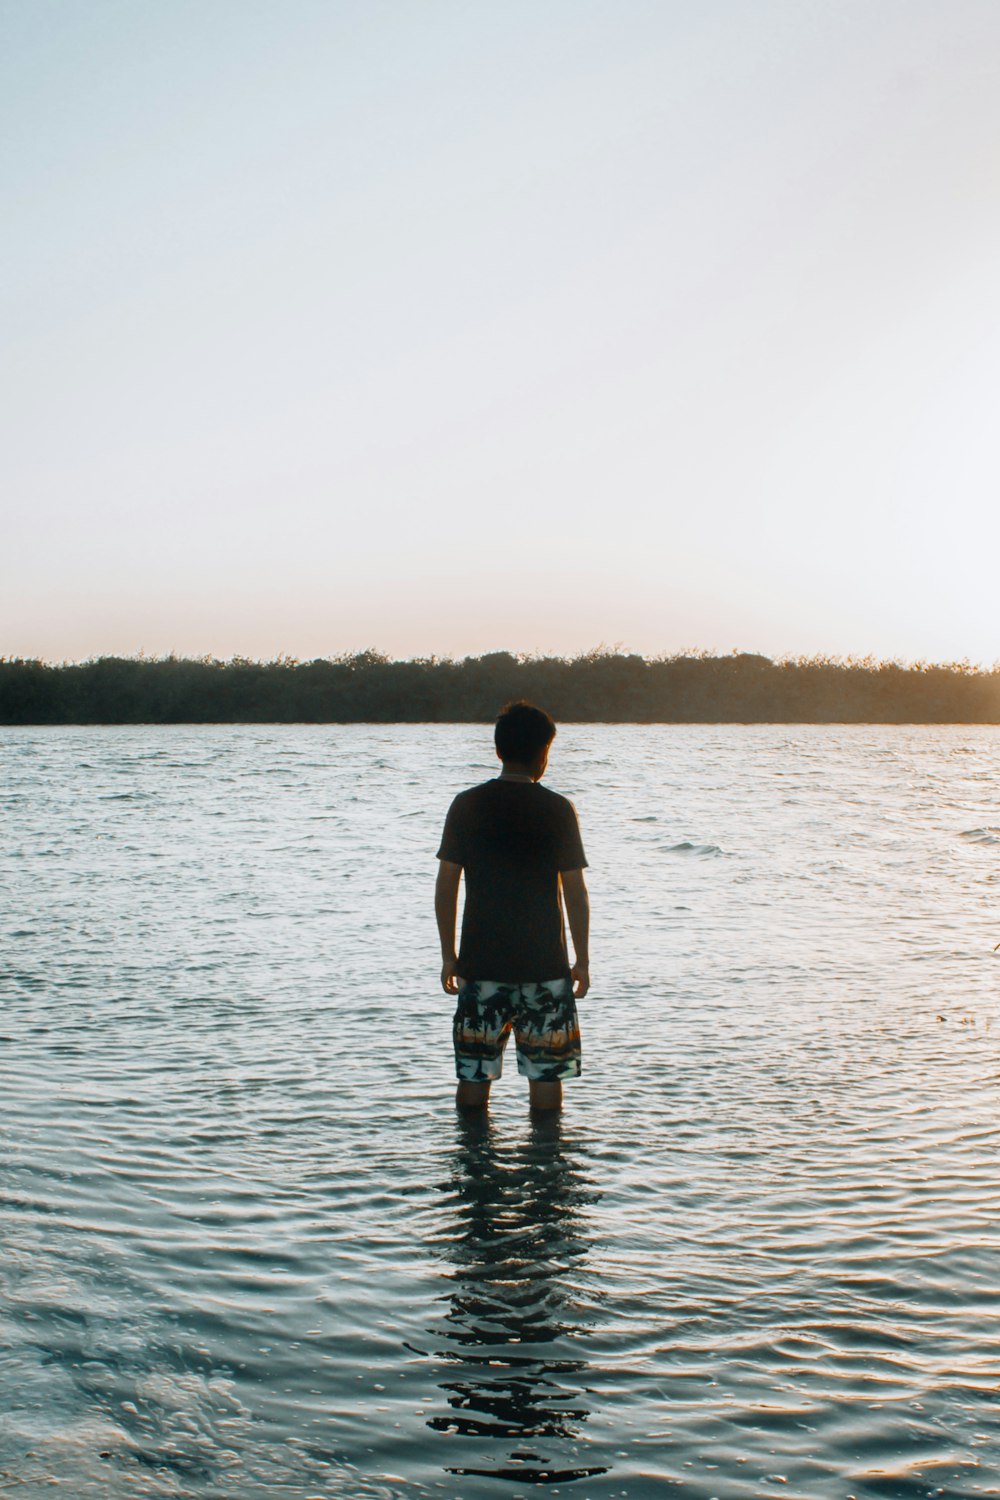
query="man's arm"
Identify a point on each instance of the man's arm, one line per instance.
(578, 914)
(446, 911)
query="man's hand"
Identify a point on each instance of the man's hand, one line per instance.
(580, 974)
(450, 981)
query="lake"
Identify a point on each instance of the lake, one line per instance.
(249, 1249)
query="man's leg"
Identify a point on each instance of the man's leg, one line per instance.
(547, 1029)
(542, 1096)
(473, 1095)
(480, 1028)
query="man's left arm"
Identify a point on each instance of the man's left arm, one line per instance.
(446, 911)
(578, 915)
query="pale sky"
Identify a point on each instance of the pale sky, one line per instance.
(446, 326)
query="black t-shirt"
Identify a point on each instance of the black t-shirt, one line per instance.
(512, 839)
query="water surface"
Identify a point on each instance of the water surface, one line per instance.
(249, 1250)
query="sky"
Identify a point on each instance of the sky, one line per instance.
(450, 326)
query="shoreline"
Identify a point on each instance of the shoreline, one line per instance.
(599, 687)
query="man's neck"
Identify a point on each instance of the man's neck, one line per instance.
(515, 772)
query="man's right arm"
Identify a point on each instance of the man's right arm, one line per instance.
(446, 911)
(578, 915)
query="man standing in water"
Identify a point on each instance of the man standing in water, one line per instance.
(519, 845)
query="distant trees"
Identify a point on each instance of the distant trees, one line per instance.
(607, 686)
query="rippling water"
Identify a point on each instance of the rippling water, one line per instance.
(249, 1250)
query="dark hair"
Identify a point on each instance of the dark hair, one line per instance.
(522, 730)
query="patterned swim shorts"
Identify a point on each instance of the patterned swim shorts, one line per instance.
(544, 1021)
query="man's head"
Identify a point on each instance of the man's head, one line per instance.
(523, 735)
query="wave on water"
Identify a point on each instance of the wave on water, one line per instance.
(982, 835)
(706, 851)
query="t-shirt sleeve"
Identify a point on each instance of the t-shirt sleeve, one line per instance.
(570, 855)
(453, 839)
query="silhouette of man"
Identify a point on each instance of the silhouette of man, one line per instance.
(520, 849)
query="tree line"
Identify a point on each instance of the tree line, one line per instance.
(600, 686)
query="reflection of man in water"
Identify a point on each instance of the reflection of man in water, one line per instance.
(515, 1372)
(519, 846)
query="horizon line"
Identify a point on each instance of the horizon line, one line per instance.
(373, 656)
